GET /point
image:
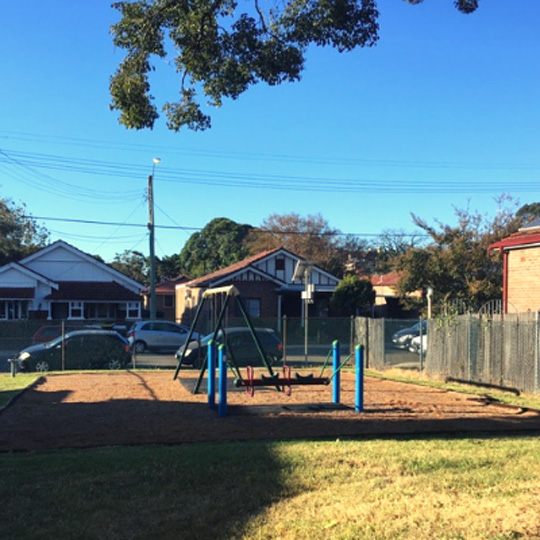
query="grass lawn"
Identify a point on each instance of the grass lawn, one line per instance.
(11, 386)
(485, 488)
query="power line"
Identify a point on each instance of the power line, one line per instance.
(260, 181)
(260, 156)
(181, 227)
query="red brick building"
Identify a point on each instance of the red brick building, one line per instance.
(521, 264)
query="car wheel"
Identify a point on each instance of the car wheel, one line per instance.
(139, 347)
(114, 363)
(42, 365)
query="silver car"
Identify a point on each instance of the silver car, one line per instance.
(158, 336)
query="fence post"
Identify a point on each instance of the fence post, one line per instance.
(351, 336)
(63, 329)
(284, 335)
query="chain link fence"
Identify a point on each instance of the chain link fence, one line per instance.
(499, 350)
(495, 350)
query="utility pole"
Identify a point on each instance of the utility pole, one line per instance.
(153, 310)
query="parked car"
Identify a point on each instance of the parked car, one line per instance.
(402, 338)
(50, 331)
(240, 345)
(80, 349)
(158, 336)
(417, 343)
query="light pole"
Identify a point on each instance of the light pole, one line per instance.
(153, 311)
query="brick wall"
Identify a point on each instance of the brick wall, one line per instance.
(264, 290)
(524, 279)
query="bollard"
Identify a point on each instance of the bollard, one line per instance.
(359, 356)
(222, 406)
(211, 374)
(336, 373)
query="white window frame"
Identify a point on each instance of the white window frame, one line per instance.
(76, 305)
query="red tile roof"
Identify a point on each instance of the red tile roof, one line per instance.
(385, 280)
(523, 237)
(92, 290)
(231, 269)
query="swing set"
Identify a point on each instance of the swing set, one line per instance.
(222, 357)
(226, 295)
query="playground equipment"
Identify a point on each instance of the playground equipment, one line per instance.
(226, 295)
(283, 382)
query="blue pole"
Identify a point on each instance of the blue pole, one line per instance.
(222, 406)
(359, 356)
(211, 374)
(336, 372)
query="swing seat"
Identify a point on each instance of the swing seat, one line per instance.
(270, 378)
(300, 377)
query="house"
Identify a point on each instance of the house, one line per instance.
(266, 285)
(62, 282)
(521, 260)
(387, 299)
(165, 297)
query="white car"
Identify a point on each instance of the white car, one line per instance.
(418, 343)
(158, 336)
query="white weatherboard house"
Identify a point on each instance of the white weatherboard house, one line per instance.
(62, 282)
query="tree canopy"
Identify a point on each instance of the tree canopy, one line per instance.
(312, 238)
(220, 243)
(20, 235)
(457, 264)
(133, 264)
(352, 295)
(222, 47)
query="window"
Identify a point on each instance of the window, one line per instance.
(13, 309)
(253, 306)
(75, 310)
(280, 264)
(133, 310)
(168, 301)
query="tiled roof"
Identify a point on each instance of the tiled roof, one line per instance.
(231, 269)
(92, 290)
(523, 237)
(168, 286)
(16, 292)
(385, 280)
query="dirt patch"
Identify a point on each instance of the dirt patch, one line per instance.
(128, 408)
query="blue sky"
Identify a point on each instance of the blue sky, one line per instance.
(442, 113)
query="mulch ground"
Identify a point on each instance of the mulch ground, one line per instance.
(130, 408)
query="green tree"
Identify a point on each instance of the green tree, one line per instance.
(391, 244)
(352, 295)
(528, 212)
(222, 47)
(220, 243)
(312, 238)
(20, 235)
(457, 263)
(169, 267)
(133, 264)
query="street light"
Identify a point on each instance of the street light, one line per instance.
(153, 311)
